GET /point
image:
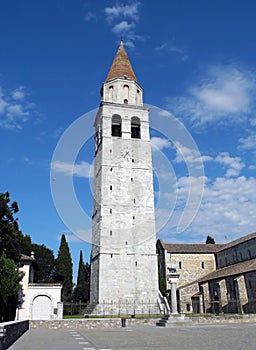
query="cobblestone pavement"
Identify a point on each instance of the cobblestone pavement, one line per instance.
(198, 337)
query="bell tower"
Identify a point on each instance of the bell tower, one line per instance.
(124, 277)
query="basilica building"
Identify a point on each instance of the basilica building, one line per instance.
(215, 278)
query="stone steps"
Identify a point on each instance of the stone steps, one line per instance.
(174, 320)
(89, 309)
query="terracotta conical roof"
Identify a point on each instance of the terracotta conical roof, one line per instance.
(121, 65)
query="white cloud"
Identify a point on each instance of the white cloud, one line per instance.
(248, 143)
(159, 143)
(226, 212)
(126, 11)
(253, 122)
(15, 109)
(172, 48)
(234, 164)
(229, 206)
(27, 160)
(189, 155)
(123, 19)
(83, 169)
(80, 235)
(224, 94)
(90, 17)
(19, 93)
(122, 27)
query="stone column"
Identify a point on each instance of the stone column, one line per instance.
(59, 311)
(173, 278)
(223, 296)
(174, 298)
(242, 294)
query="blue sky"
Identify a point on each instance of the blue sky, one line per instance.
(196, 62)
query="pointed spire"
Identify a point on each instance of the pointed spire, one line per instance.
(121, 65)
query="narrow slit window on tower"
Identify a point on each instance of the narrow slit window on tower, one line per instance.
(138, 97)
(133, 217)
(111, 169)
(134, 200)
(135, 128)
(126, 94)
(180, 264)
(116, 127)
(111, 256)
(132, 160)
(110, 187)
(136, 263)
(202, 264)
(110, 211)
(110, 232)
(110, 95)
(131, 179)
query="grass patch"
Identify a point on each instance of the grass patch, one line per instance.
(112, 316)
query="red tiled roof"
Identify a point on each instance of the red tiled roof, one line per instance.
(192, 248)
(121, 65)
(236, 269)
(239, 240)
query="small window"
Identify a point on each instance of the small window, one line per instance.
(116, 129)
(110, 187)
(131, 179)
(126, 94)
(110, 211)
(135, 128)
(188, 307)
(132, 160)
(111, 169)
(180, 264)
(134, 200)
(202, 264)
(110, 93)
(110, 232)
(136, 263)
(126, 243)
(133, 217)
(111, 256)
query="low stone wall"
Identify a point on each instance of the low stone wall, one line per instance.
(225, 318)
(92, 323)
(11, 331)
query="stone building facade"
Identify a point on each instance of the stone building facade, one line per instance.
(213, 278)
(37, 301)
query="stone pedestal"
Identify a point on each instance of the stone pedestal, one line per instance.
(173, 278)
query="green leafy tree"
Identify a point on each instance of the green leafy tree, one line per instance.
(82, 289)
(10, 279)
(209, 240)
(64, 269)
(45, 262)
(11, 237)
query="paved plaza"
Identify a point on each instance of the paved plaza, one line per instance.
(197, 337)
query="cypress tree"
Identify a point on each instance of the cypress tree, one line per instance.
(209, 240)
(81, 292)
(64, 269)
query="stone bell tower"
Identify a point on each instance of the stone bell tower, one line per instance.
(124, 277)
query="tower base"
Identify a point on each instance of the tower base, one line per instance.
(124, 308)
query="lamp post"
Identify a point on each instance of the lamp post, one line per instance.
(173, 278)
